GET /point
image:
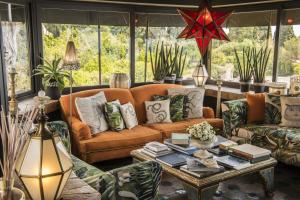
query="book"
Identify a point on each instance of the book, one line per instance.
(153, 154)
(203, 171)
(232, 162)
(174, 159)
(156, 146)
(217, 151)
(220, 139)
(180, 139)
(253, 160)
(249, 151)
(189, 150)
(227, 144)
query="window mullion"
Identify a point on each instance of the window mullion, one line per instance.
(276, 46)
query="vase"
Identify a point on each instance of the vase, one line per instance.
(203, 146)
(178, 81)
(53, 90)
(259, 87)
(119, 80)
(170, 79)
(244, 86)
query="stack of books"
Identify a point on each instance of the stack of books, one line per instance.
(232, 162)
(250, 153)
(175, 159)
(187, 149)
(156, 149)
(180, 139)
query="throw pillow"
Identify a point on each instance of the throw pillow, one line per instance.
(272, 109)
(114, 116)
(256, 107)
(176, 105)
(90, 110)
(290, 111)
(193, 106)
(129, 115)
(158, 111)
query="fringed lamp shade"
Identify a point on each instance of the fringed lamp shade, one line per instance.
(44, 166)
(200, 75)
(70, 61)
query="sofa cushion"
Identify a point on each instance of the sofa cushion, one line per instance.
(158, 111)
(256, 107)
(145, 93)
(290, 109)
(111, 140)
(113, 115)
(168, 128)
(272, 109)
(129, 115)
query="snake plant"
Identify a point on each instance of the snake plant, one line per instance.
(244, 64)
(180, 63)
(260, 62)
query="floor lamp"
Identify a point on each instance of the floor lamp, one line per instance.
(71, 63)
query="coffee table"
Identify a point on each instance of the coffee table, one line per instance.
(205, 188)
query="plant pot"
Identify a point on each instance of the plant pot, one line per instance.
(170, 79)
(178, 81)
(245, 86)
(53, 92)
(259, 87)
(158, 81)
(15, 194)
(119, 80)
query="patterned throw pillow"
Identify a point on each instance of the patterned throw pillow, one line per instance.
(176, 105)
(114, 116)
(272, 109)
(90, 110)
(129, 115)
(158, 111)
(194, 103)
(290, 111)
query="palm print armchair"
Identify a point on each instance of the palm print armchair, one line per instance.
(284, 142)
(137, 181)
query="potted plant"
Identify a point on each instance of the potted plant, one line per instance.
(14, 135)
(53, 77)
(157, 64)
(259, 67)
(244, 68)
(179, 66)
(169, 61)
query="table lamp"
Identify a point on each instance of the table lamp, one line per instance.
(200, 75)
(44, 165)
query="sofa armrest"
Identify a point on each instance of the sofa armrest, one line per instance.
(80, 130)
(208, 112)
(234, 114)
(138, 181)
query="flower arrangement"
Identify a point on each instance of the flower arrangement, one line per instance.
(203, 131)
(14, 134)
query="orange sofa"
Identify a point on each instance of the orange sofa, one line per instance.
(111, 145)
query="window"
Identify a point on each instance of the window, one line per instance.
(101, 39)
(289, 44)
(16, 45)
(255, 29)
(161, 27)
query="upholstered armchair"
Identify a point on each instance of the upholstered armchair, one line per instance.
(136, 181)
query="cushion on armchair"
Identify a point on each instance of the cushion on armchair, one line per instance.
(256, 107)
(272, 109)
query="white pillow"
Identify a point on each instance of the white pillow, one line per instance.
(158, 111)
(290, 111)
(129, 115)
(90, 110)
(194, 104)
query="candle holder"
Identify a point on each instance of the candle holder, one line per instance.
(13, 103)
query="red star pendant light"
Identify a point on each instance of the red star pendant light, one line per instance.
(203, 25)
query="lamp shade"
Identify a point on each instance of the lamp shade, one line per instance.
(200, 75)
(44, 166)
(70, 59)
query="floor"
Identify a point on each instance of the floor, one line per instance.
(287, 184)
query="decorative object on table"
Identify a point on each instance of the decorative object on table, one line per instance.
(180, 139)
(295, 85)
(290, 111)
(259, 68)
(70, 62)
(272, 109)
(179, 66)
(200, 75)
(44, 165)
(204, 25)
(219, 95)
(158, 111)
(13, 103)
(90, 111)
(204, 136)
(157, 63)
(278, 88)
(14, 131)
(193, 104)
(119, 80)
(244, 68)
(53, 76)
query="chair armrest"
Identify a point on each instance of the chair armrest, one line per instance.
(208, 112)
(80, 130)
(234, 114)
(138, 181)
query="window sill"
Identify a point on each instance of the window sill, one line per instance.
(50, 107)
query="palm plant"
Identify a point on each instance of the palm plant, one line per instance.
(260, 62)
(180, 63)
(244, 64)
(52, 72)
